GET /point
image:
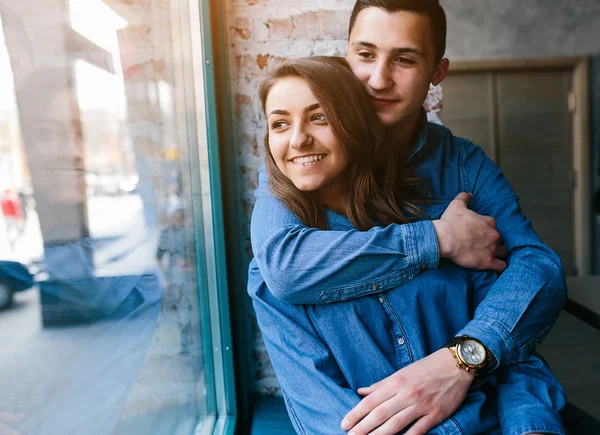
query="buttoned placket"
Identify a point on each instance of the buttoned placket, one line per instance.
(402, 344)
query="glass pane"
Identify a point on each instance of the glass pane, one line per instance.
(103, 320)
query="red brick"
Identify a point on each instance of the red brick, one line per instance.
(324, 24)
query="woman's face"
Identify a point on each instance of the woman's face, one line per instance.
(302, 142)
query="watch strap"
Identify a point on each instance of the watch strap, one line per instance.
(481, 372)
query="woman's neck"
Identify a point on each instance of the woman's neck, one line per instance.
(333, 198)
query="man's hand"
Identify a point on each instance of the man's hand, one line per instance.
(469, 239)
(426, 392)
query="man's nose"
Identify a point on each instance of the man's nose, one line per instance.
(300, 137)
(381, 77)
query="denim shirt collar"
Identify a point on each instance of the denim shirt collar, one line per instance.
(422, 136)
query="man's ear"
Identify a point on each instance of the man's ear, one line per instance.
(440, 72)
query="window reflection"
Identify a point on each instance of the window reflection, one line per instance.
(96, 238)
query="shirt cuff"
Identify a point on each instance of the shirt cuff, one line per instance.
(422, 245)
(498, 342)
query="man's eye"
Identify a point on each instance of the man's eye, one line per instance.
(319, 117)
(405, 61)
(365, 54)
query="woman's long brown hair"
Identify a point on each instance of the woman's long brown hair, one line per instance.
(379, 184)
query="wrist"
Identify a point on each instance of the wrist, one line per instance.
(456, 370)
(442, 230)
(471, 355)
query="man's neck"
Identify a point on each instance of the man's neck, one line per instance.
(405, 131)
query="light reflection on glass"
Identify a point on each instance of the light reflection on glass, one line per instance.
(108, 339)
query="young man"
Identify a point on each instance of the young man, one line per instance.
(396, 49)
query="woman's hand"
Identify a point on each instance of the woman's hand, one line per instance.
(426, 392)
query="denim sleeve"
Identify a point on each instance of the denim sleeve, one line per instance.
(524, 302)
(316, 394)
(530, 399)
(303, 265)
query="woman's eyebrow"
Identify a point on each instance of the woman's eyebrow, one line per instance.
(279, 112)
(286, 113)
(311, 107)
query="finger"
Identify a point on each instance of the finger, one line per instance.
(501, 251)
(365, 406)
(423, 425)
(363, 391)
(498, 265)
(380, 415)
(397, 422)
(464, 196)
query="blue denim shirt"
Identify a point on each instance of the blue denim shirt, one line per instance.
(302, 265)
(323, 353)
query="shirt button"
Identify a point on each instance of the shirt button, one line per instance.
(400, 341)
(423, 267)
(374, 287)
(380, 300)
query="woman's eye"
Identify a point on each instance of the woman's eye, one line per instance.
(278, 124)
(319, 117)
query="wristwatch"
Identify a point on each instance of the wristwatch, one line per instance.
(471, 355)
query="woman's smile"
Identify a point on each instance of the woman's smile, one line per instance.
(307, 161)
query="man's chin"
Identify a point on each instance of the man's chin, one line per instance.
(389, 120)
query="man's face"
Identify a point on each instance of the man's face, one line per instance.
(53, 151)
(394, 57)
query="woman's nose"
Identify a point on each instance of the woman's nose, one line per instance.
(300, 138)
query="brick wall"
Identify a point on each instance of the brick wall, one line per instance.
(260, 33)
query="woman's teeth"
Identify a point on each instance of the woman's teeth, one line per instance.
(308, 160)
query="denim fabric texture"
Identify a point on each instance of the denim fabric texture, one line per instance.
(396, 302)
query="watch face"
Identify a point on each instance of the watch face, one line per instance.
(472, 352)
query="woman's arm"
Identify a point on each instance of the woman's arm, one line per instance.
(315, 391)
(530, 399)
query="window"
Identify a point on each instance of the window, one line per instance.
(113, 313)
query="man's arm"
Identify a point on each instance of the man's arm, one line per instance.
(512, 316)
(315, 391)
(304, 265)
(523, 303)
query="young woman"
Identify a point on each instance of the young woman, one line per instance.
(329, 163)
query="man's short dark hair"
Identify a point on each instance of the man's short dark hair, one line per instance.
(430, 8)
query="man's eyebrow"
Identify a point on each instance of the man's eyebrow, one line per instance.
(405, 50)
(286, 113)
(395, 51)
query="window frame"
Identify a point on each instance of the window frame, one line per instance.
(209, 222)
